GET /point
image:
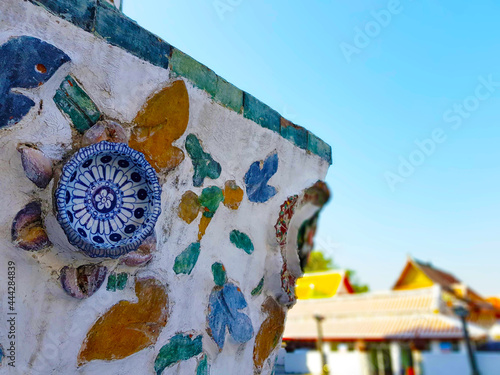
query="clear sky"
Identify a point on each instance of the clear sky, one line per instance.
(371, 78)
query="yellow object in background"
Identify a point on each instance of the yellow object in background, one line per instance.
(322, 285)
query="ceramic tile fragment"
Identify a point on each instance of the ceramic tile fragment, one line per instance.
(219, 273)
(128, 327)
(181, 347)
(241, 241)
(270, 332)
(28, 231)
(74, 101)
(25, 62)
(258, 289)
(257, 177)
(189, 208)
(233, 195)
(105, 131)
(203, 368)
(203, 163)
(161, 121)
(225, 303)
(185, 261)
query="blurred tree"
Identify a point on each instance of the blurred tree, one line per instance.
(318, 262)
(356, 283)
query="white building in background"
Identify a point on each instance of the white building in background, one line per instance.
(409, 330)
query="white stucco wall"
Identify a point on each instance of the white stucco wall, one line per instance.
(50, 325)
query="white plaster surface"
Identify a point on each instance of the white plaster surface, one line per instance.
(51, 325)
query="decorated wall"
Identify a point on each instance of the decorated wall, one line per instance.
(154, 218)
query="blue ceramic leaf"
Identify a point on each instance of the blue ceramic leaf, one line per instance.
(25, 62)
(256, 179)
(225, 304)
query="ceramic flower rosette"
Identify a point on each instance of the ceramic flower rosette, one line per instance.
(108, 199)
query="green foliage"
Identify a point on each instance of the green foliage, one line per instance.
(356, 283)
(318, 262)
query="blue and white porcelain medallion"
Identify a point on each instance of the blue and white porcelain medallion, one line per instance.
(108, 199)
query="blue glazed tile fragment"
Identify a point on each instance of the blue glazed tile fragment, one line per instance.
(224, 305)
(80, 13)
(294, 133)
(261, 113)
(123, 32)
(257, 177)
(319, 147)
(25, 62)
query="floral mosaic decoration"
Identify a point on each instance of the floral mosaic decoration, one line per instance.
(107, 198)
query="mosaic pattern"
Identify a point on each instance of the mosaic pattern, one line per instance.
(317, 195)
(108, 199)
(118, 30)
(25, 62)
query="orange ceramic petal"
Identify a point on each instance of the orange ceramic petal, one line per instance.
(203, 226)
(161, 121)
(270, 332)
(126, 327)
(233, 195)
(189, 208)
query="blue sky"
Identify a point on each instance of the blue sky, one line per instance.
(371, 78)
